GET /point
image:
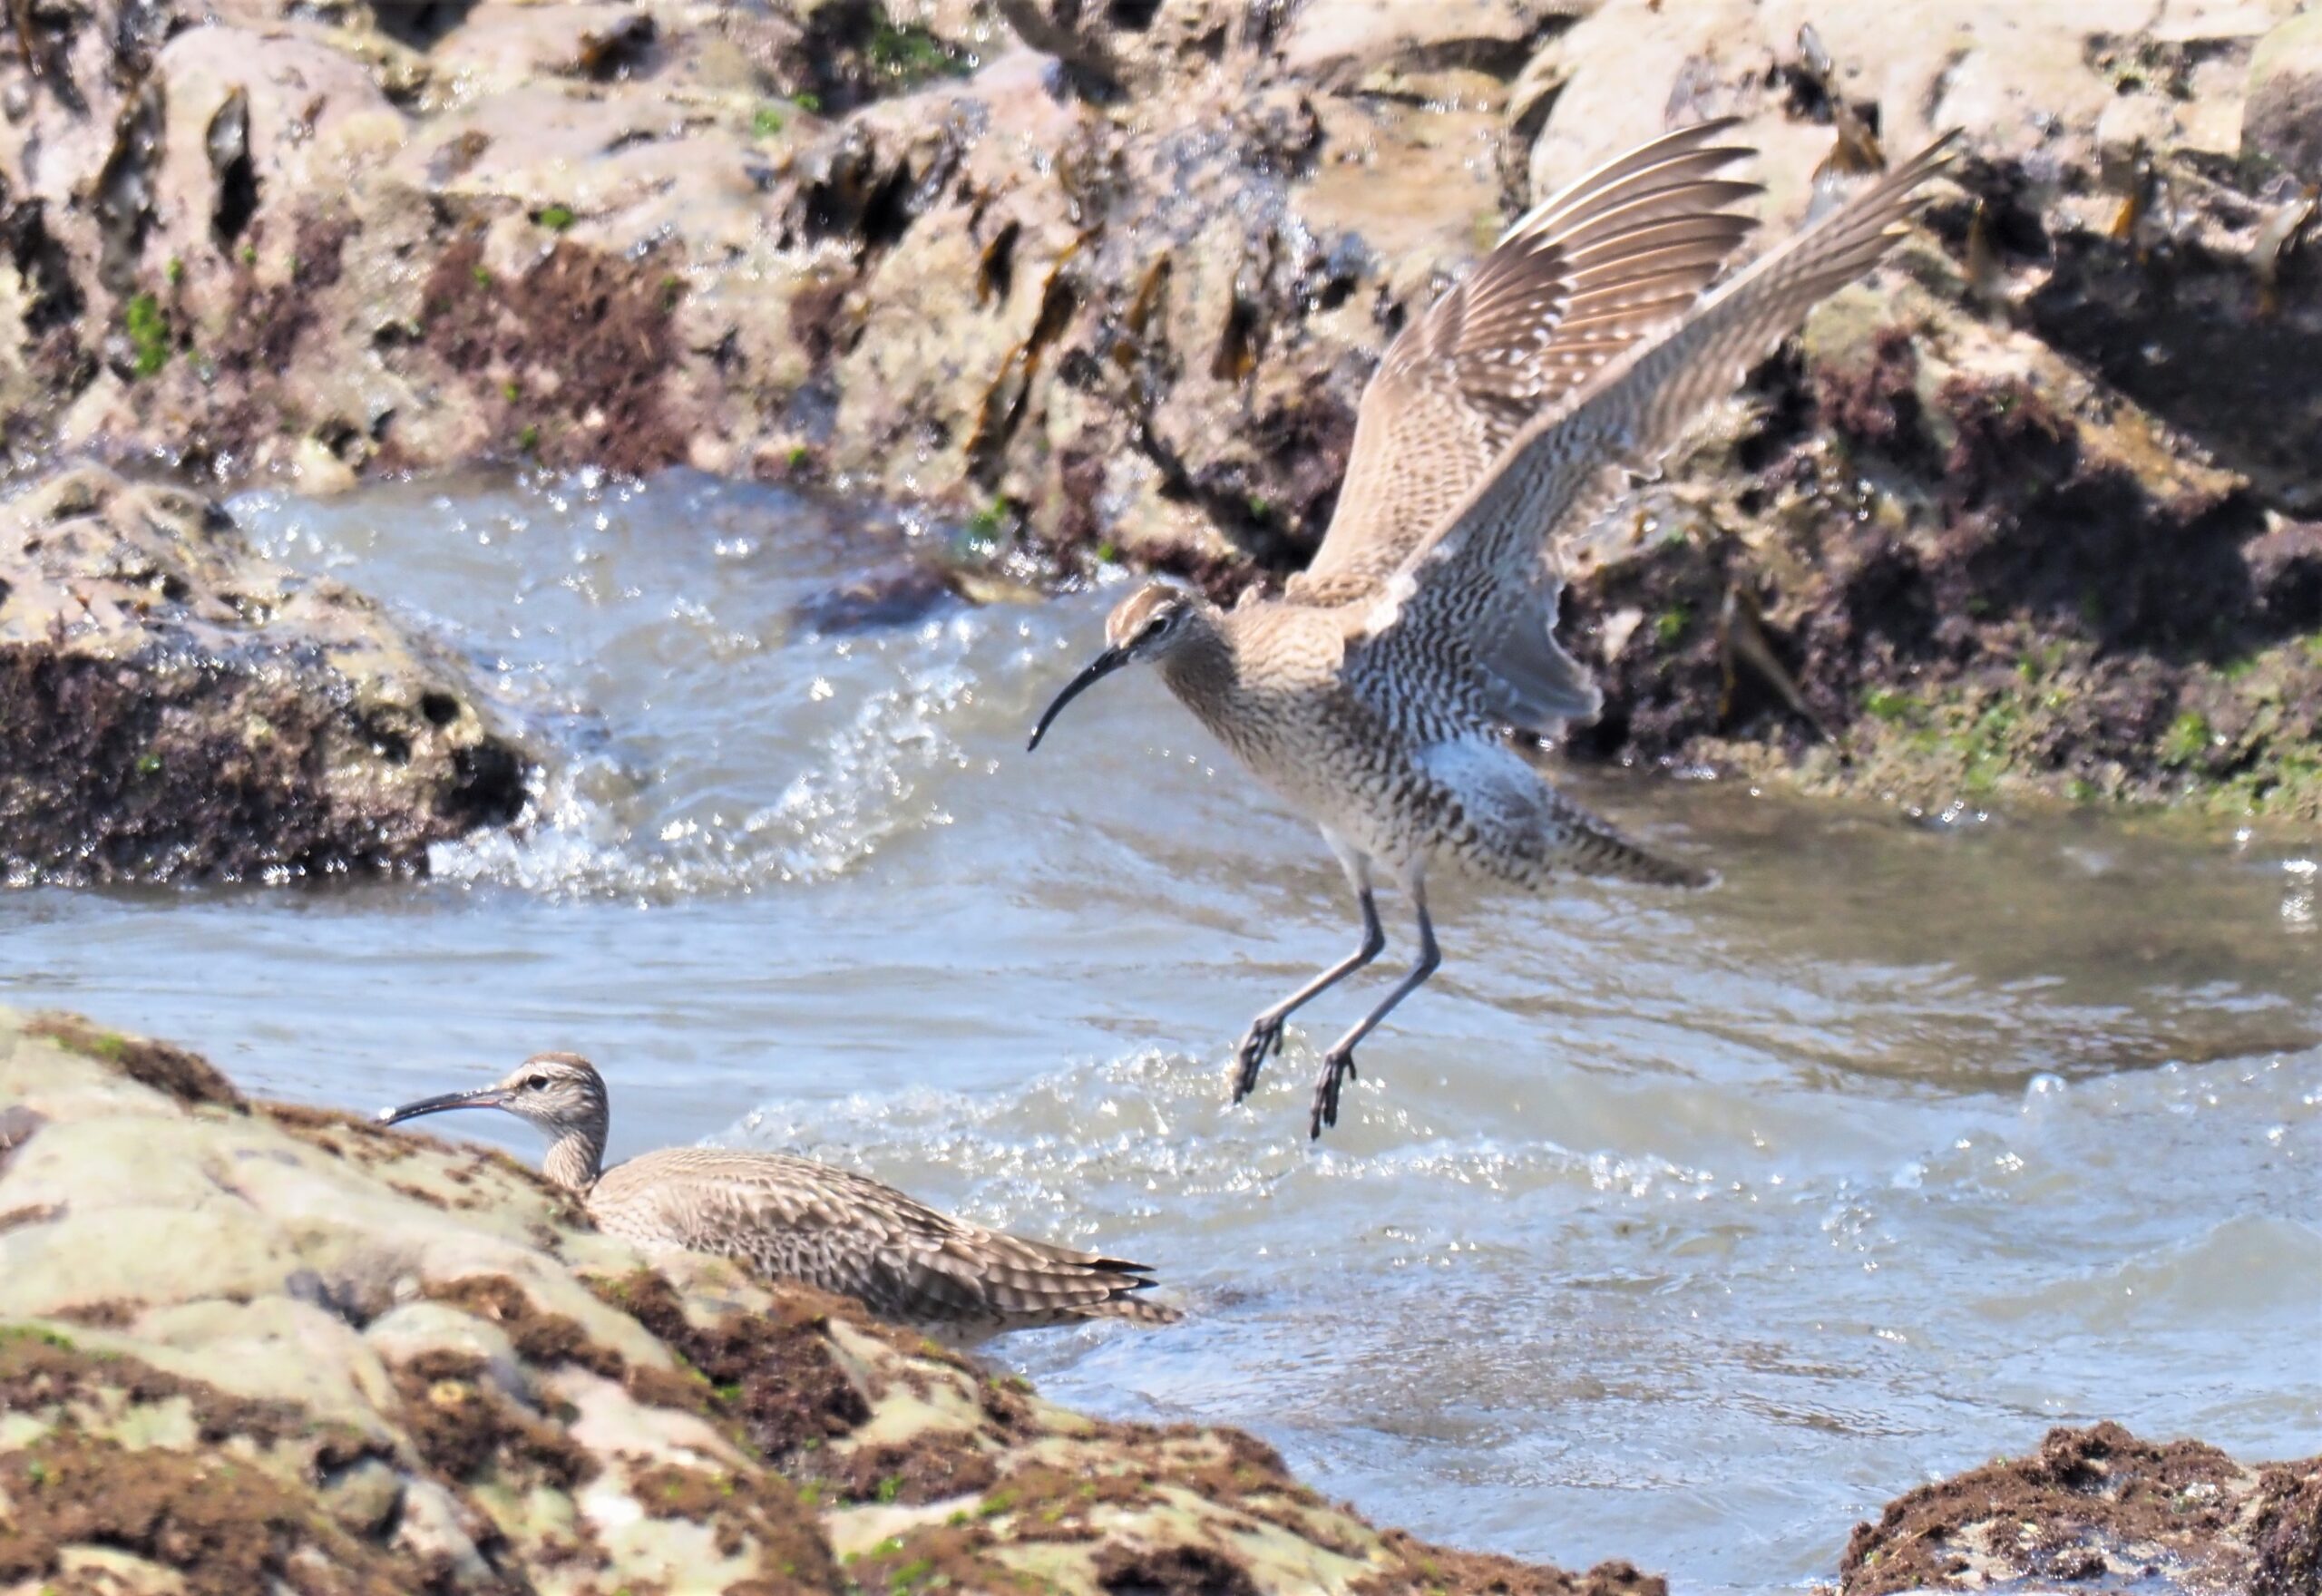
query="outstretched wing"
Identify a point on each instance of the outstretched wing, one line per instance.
(1472, 610)
(1615, 256)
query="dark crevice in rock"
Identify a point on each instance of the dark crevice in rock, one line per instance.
(855, 199)
(55, 300)
(624, 50)
(1242, 343)
(125, 189)
(421, 24)
(996, 271)
(2174, 331)
(488, 788)
(887, 212)
(2004, 209)
(986, 447)
(229, 143)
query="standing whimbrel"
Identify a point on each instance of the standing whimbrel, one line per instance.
(790, 1218)
(1379, 693)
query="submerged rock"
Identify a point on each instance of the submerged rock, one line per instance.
(174, 707)
(245, 1345)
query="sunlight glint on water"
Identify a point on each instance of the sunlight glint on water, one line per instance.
(1680, 1229)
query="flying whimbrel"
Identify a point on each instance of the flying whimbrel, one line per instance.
(790, 1218)
(1378, 694)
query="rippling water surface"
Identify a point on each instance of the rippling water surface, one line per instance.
(1686, 1229)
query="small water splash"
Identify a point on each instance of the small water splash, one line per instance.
(698, 738)
(2301, 878)
(592, 830)
(867, 788)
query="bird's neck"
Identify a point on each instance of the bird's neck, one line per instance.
(574, 1161)
(1203, 673)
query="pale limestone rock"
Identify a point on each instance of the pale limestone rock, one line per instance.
(2283, 124)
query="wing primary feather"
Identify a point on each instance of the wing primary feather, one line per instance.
(1666, 382)
(1605, 261)
(1632, 409)
(1481, 590)
(1683, 141)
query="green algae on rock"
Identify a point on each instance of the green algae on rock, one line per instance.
(2035, 515)
(244, 1344)
(174, 707)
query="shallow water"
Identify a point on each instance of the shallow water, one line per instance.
(1685, 1230)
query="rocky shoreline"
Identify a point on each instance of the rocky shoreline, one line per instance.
(2037, 515)
(175, 707)
(247, 1344)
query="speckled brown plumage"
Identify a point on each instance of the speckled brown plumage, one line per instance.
(1574, 283)
(1377, 695)
(790, 1218)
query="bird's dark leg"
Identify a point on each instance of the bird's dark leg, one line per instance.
(1338, 1064)
(1265, 1035)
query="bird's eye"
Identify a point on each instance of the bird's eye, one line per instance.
(538, 1082)
(1160, 623)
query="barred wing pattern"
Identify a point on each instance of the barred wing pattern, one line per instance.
(1469, 613)
(1615, 256)
(843, 1232)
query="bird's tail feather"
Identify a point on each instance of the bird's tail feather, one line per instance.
(1585, 845)
(1136, 1307)
(1034, 1283)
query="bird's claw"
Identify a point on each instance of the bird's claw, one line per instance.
(1337, 1069)
(1265, 1037)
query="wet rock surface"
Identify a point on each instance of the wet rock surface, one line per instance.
(173, 706)
(246, 1344)
(2035, 513)
(2099, 1510)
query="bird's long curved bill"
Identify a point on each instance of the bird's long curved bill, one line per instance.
(481, 1097)
(1103, 665)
